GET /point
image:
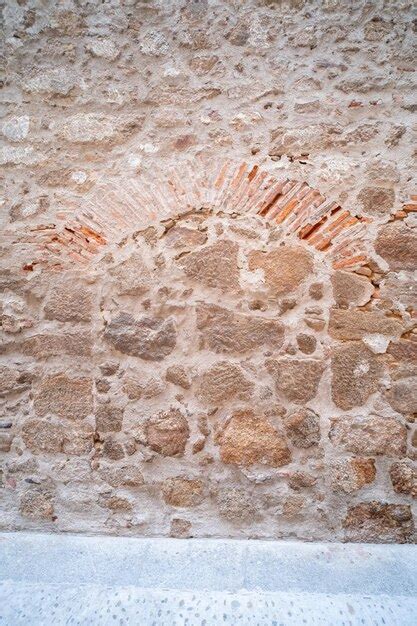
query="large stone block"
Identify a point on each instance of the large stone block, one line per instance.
(284, 269)
(149, 338)
(372, 434)
(248, 439)
(379, 522)
(167, 433)
(224, 382)
(63, 396)
(214, 266)
(356, 374)
(225, 331)
(297, 380)
(353, 325)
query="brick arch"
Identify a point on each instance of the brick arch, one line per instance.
(113, 211)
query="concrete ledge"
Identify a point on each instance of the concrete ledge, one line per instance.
(110, 580)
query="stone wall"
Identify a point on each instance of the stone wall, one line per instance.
(207, 256)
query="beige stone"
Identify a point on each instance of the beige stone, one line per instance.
(376, 201)
(379, 522)
(224, 331)
(403, 395)
(369, 435)
(180, 528)
(123, 476)
(183, 492)
(351, 475)
(149, 338)
(131, 277)
(284, 269)
(302, 428)
(297, 380)
(214, 266)
(178, 375)
(236, 505)
(13, 380)
(306, 343)
(42, 436)
(248, 439)
(36, 504)
(224, 382)
(356, 374)
(109, 418)
(353, 324)
(168, 432)
(351, 289)
(397, 244)
(184, 237)
(65, 397)
(67, 302)
(403, 476)
(43, 346)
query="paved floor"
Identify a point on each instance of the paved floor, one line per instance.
(66, 579)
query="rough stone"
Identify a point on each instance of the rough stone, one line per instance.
(403, 476)
(351, 289)
(131, 277)
(248, 440)
(403, 395)
(66, 397)
(302, 428)
(109, 418)
(284, 269)
(397, 245)
(372, 435)
(351, 475)
(168, 432)
(376, 200)
(227, 332)
(149, 338)
(12, 380)
(43, 346)
(123, 476)
(178, 375)
(356, 374)
(297, 380)
(224, 382)
(214, 266)
(236, 505)
(68, 303)
(379, 522)
(306, 343)
(42, 436)
(352, 325)
(183, 492)
(36, 504)
(183, 237)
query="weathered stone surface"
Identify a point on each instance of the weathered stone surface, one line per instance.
(183, 237)
(131, 277)
(123, 476)
(167, 433)
(306, 343)
(356, 373)
(403, 476)
(350, 475)
(236, 505)
(248, 440)
(403, 355)
(43, 346)
(109, 418)
(369, 435)
(149, 338)
(183, 492)
(403, 395)
(214, 266)
(400, 289)
(224, 382)
(178, 375)
(65, 397)
(12, 380)
(351, 289)
(42, 436)
(284, 269)
(376, 200)
(379, 522)
(68, 303)
(303, 428)
(297, 380)
(227, 332)
(113, 449)
(301, 480)
(180, 528)
(79, 439)
(352, 325)
(397, 244)
(36, 504)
